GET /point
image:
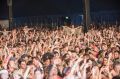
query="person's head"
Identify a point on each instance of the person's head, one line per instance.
(56, 50)
(46, 58)
(117, 48)
(116, 54)
(25, 57)
(30, 41)
(66, 56)
(22, 64)
(104, 46)
(56, 54)
(65, 47)
(77, 49)
(53, 74)
(11, 65)
(36, 61)
(116, 66)
(105, 61)
(74, 55)
(47, 62)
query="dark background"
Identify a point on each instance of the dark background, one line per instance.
(23, 8)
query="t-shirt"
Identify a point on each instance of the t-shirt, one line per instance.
(38, 73)
(4, 74)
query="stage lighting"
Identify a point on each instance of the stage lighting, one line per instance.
(66, 17)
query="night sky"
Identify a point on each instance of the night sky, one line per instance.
(23, 8)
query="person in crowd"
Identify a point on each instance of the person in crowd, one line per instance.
(67, 53)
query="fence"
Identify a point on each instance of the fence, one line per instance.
(52, 20)
(105, 17)
(59, 20)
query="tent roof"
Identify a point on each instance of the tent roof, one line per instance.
(54, 7)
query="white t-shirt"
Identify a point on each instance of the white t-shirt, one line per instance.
(4, 74)
(38, 75)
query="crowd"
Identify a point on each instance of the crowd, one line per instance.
(62, 53)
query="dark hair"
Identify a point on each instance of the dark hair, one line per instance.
(20, 61)
(65, 45)
(47, 56)
(24, 55)
(116, 77)
(36, 58)
(55, 52)
(87, 50)
(64, 56)
(29, 62)
(0, 62)
(76, 46)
